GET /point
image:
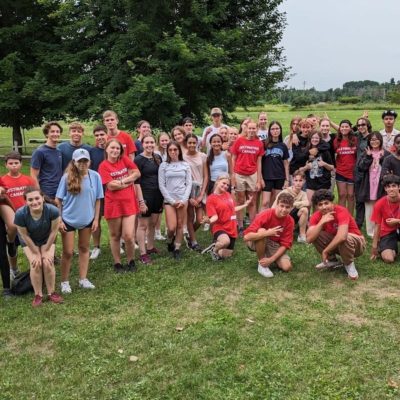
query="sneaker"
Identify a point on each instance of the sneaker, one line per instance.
(118, 268)
(176, 254)
(171, 245)
(65, 287)
(145, 259)
(301, 239)
(122, 247)
(215, 256)
(95, 253)
(351, 271)
(196, 247)
(131, 267)
(56, 298)
(7, 294)
(154, 250)
(206, 227)
(208, 249)
(329, 264)
(14, 272)
(37, 301)
(86, 284)
(11, 249)
(187, 240)
(265, 271)
(159, 236)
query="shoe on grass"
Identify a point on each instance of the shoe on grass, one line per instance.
(154, 250)
(8, 294)
(159, 236)
(95, 253)
(171, 245)
(215, 256)
(301, 239)
(14, 272)
(118, 268)
(37, 301)
(265, 271)
(351, 271)
(329, 264)
(177, 254)
(208, 249)
(56, 298)
(196, 247)
(86, 284)
(145, 259)
(65, 288)
(131, 267)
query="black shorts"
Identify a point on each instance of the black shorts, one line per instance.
(389, 242)
(313, 184)
(276, 184)
(70, 228)
(232, 240)
(154, 202)
(294, 215)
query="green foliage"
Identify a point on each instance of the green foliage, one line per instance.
(349, 100)
(394, 96)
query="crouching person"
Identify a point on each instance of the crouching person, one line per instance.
(332, 230)
(270, 235)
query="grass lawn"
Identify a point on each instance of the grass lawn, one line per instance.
(197, 329)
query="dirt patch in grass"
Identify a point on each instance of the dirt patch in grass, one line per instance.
(353, 319)
(381, 289)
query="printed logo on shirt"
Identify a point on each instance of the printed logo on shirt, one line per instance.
(274, 152)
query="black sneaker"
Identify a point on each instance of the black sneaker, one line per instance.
(118, 268)
(8, 294)
(171, 246)
(131, 267)
(196, 247)
(176, 254)
(11, 249)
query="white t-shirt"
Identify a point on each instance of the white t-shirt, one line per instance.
(388, 141)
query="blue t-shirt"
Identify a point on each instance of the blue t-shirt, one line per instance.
(79, 209)
(96, 157)
(139, 146)
(67, 149)
(48, 160)
(38, 230)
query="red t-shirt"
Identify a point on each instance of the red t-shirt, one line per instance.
(116, 171)
(223, 206)
(346, 157)
(384, 209)
(267, 219)
(15, 188)
(127, 142)
(247, 153)
(341, 217)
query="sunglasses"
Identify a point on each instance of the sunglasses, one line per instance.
(361, 125)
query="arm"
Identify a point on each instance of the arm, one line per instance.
(35, 175)
(340, 237)
(286, 166)
(52, 237)
(37, 257)
(95, 224)
(162, 184)
(244, 205)
(260, 181)
(233, 162)
(139, 195)
(125, 182)
(262, 233)
(204, 185)
(188, 183)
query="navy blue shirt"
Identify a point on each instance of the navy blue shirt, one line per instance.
(96, 157)
(67, 149)
(48, 160)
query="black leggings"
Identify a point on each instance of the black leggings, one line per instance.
(4, 265)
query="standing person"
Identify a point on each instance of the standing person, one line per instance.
(327, 136)
(389, 132)
(12, 186)
(391, 164)
(76, 131)
(162, 142)
(292, 138)
(118, 174)
(346, 155)
(79, 189)
(178, 134)
(221, 214)
(364, 128)
(4, 265)
(216, 117)
(270, 235)
(332, 230)
(299, 144)
(275, 164)
(262, 125)
(188, 126)
(247, 178)
(96, 158)
(110, 120)
(233, 134)
(386, 216)
(175, 182)
(46, 162)
(198, 167)
(318, 167)
(150, 198)
(218, 161)
(143, 129)
(223, 132)
(38, 224)
(369, 167)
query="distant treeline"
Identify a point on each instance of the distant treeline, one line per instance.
(352, 92)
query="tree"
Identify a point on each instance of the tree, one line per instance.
(26, 39)
(172, 59)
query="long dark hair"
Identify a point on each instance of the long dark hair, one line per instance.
(352, 138)
(176, 144)
(156, 157)
(211, 155)
(269, 142)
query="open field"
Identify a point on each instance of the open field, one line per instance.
(205, 330)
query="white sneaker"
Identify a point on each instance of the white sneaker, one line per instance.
(208, 249)
(206, 227)
(65, 288)
(329, 264)
(86, 284)
(265, 271)
(158, 236)
(95, 253)
(351, 271)
(301, 239)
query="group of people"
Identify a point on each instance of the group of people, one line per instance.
(284, 184)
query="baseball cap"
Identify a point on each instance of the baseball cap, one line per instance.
(216, 110)
(80, 154)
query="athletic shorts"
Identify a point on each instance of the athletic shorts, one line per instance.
(246, 183)
(389, 242)
(232, 240)
(343, 179)
(154, 202)
(294, 215)
(271, 247)
(276, 184)
(70, 228)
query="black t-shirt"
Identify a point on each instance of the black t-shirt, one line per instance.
(148, 168)
(300, 155)
(319, 178)
(272, 161)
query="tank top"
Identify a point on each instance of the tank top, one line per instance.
(219, 166)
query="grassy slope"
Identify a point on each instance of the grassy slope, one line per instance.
(303, 335)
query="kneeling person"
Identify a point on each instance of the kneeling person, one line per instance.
(332, 230)
(270, 235)
(386, 215)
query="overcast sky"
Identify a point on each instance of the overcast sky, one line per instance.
(329, 42)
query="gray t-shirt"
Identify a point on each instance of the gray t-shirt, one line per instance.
(38, 230)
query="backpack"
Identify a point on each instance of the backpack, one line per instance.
(22, 284)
